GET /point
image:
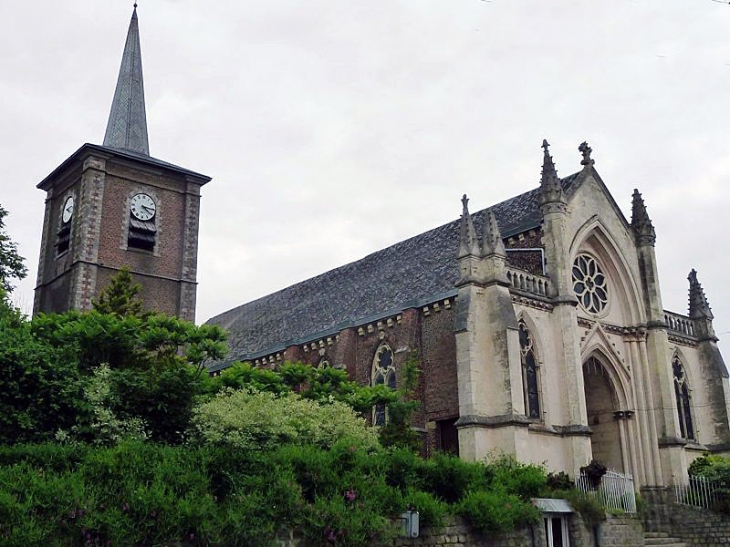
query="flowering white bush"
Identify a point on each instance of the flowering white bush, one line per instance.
(259, 420)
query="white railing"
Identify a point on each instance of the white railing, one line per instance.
(700, 492)
(616, 491)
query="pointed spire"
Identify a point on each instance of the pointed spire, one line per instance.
(127, 126)
(641, 224)
(551, 189)
(492, 242)
(698, 305)
(468, 243)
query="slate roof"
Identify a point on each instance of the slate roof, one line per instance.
(413, 272)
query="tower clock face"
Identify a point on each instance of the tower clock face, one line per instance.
(68, 209)
(143, 207)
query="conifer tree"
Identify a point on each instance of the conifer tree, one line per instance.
(120, 297)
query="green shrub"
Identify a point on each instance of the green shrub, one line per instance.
(450, 478)
(521, 479)
(431, 510)
(716, 469)
(263, 421)
(496, 511)
(587, 504)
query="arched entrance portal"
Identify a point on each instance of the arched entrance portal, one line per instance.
(601, 403)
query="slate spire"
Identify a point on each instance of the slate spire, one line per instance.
(127, 125)
(698, 305)
(492, 241)
(468, 242)
(641, 224)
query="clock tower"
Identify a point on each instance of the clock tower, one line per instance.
(113, 205)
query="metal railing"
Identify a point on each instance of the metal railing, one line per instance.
(615, 492)
(700, 492)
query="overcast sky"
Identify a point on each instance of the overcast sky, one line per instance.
(334, 128)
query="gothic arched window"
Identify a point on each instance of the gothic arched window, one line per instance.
(530, 373)
(681, 393)
(383, 373)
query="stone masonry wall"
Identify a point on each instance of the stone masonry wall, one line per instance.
(616, 531)
(692, 525)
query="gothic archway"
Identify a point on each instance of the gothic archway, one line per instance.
(603, 410)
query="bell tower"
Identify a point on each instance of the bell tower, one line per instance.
(113, 205)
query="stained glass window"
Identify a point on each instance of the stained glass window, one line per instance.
(530, 372)
(383, 373)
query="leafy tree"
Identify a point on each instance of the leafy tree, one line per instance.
(398, 431)
(323, 384)
(11, 263)
(41, 389)
(120, 297)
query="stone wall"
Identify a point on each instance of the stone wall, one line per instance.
(458, 534)
(692, 525)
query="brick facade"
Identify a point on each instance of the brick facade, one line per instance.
(102, 182)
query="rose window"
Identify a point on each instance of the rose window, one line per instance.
(589, 284)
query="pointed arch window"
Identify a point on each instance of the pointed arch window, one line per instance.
(682, 395)
(530, 373)
(383, 373)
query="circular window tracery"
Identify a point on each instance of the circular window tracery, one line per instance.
(590, 284)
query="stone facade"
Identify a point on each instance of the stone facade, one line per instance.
(605, 368)
(102, 181)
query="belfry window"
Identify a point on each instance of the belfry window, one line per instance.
(530, 373)
(681, 393)
(142, 223)
(383, 373)
(63, 235)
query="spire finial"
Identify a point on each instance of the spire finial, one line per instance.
(586, 151)
(492, 241)
(640, 222)
(468, 243)
(549, 173)
(127, 125)
(698, 305)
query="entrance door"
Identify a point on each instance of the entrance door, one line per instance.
(601, 405)
(556, 531)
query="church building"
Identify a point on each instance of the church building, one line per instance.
(115, 206)
(537, 323)
(538, 326)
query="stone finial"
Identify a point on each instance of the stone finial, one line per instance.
(641, 224)
(586, 151)
(492, 241)
(551, 189)
(468, 242)
(699, 308)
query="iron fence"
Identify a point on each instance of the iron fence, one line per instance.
(699, 492)
(615, 492)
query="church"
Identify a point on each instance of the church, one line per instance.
(537, 323)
